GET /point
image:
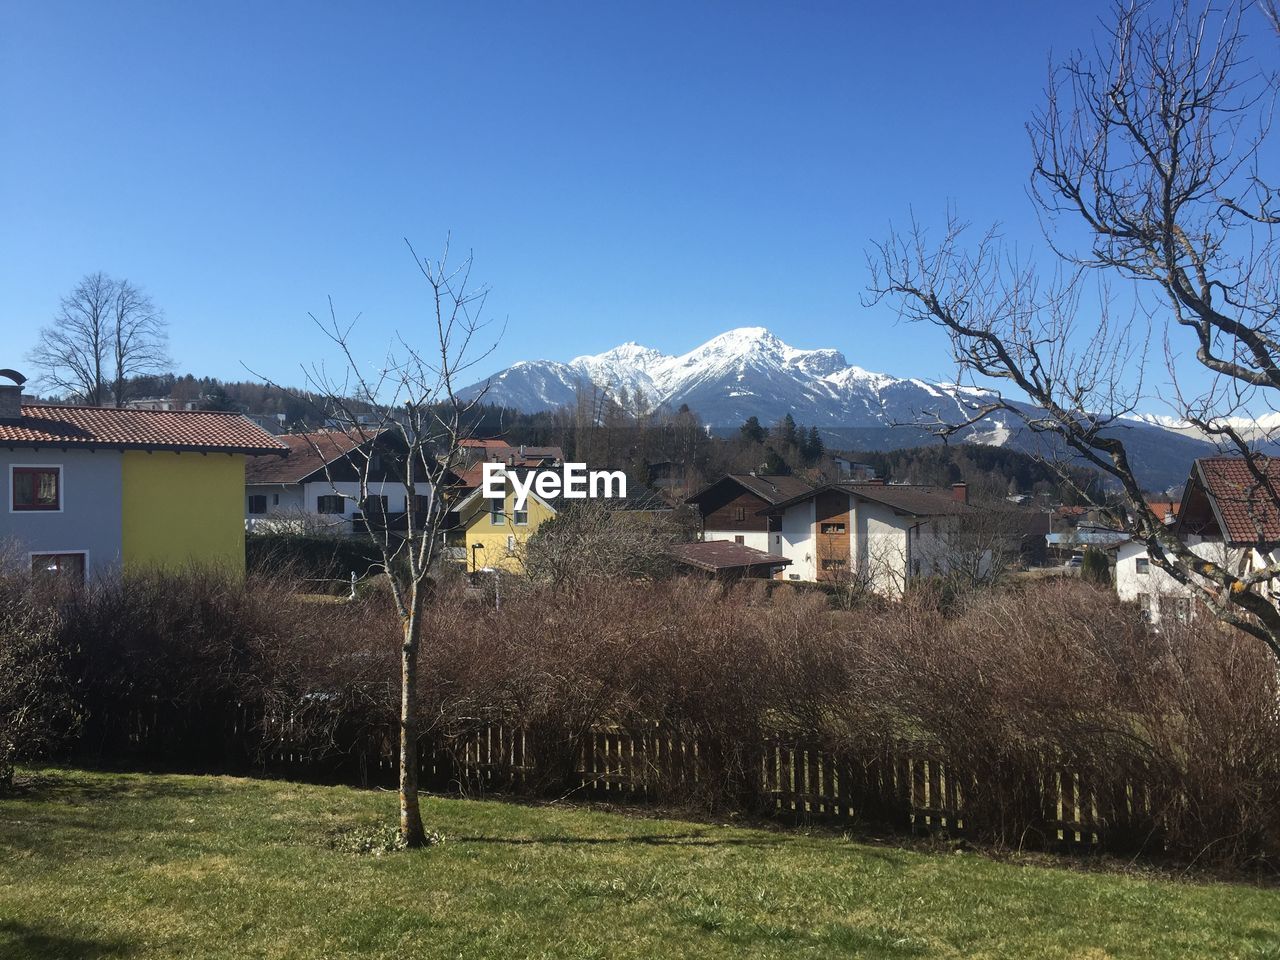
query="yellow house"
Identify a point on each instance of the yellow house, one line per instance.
(494, 533)
(91, 489)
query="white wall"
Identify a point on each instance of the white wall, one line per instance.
(756, 539)
(798, 544)
(1156, 583)
(882, 547)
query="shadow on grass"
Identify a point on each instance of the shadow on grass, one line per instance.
(698, 838)
(18, 940)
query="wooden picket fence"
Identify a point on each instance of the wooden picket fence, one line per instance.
(907, 788)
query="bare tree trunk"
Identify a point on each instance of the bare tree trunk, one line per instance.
(411, 830)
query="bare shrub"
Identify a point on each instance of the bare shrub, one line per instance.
(37, 711)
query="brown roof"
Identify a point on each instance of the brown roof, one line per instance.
(916, 499)
(206, 431)
(772, 488)
(1246, 509)
(308, 453)
(716, 555)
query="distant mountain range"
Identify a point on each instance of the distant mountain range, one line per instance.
(750, 372)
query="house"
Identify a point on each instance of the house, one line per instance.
(726, 560)
(852, 469)
(93, 489)
(735, 508)
(1226, 516)
(476, 452)
(878, 534)
(491, 534)
(318, 485)
(161, 403)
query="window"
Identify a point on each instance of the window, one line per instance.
(838, 563)
(793, 576)
(1143, 565)
(275, 499)
(421, 504)
(739, 539)
(331, 503)
(496, 517)
(833, 528)
(68, 565)
(375, 505)
(1182, 609)
(521, 518)
(739, 513)
(511, 544)
(258, 503)
(1144, 605)
(37, 488)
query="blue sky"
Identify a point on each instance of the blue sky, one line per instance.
(655, 172)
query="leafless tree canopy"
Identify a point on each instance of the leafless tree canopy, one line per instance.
(106, 331)
(588, 541)
(414, 436)
(1148, 173)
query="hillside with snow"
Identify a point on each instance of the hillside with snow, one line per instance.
(750, 372)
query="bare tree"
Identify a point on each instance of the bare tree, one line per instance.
(412, 441)
(72, 352)
(1147, 172)
(105, 332)
(589, 541)
(138, 338)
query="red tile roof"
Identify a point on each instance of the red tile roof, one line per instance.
(1247, 510)
(716, 555)
(112, 428)
(308, 453)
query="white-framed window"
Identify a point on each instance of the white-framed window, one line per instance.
(35, 488)
(511, 544)
(66, 564)
(521, 518)
(1143, 565)
(496, 517)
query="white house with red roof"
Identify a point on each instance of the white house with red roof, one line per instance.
(1229, 514)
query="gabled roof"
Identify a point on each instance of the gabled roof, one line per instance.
(114, 428)
(771, 488)
(309, 453)
(1245, 510)
(719, 555)
(916, 500)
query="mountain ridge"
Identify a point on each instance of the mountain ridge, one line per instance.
(749, 371)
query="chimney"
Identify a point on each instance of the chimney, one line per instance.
(960, 492)
(11, 396)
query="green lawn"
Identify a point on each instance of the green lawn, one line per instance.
(115, 865)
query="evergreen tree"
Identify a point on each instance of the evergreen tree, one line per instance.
(774, 464)
(1094, 568)
(813, 446)
(752, 431)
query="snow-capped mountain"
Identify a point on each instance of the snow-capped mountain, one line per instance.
(750, 372)
(741, 373)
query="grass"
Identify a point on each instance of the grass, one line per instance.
(97, 865)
